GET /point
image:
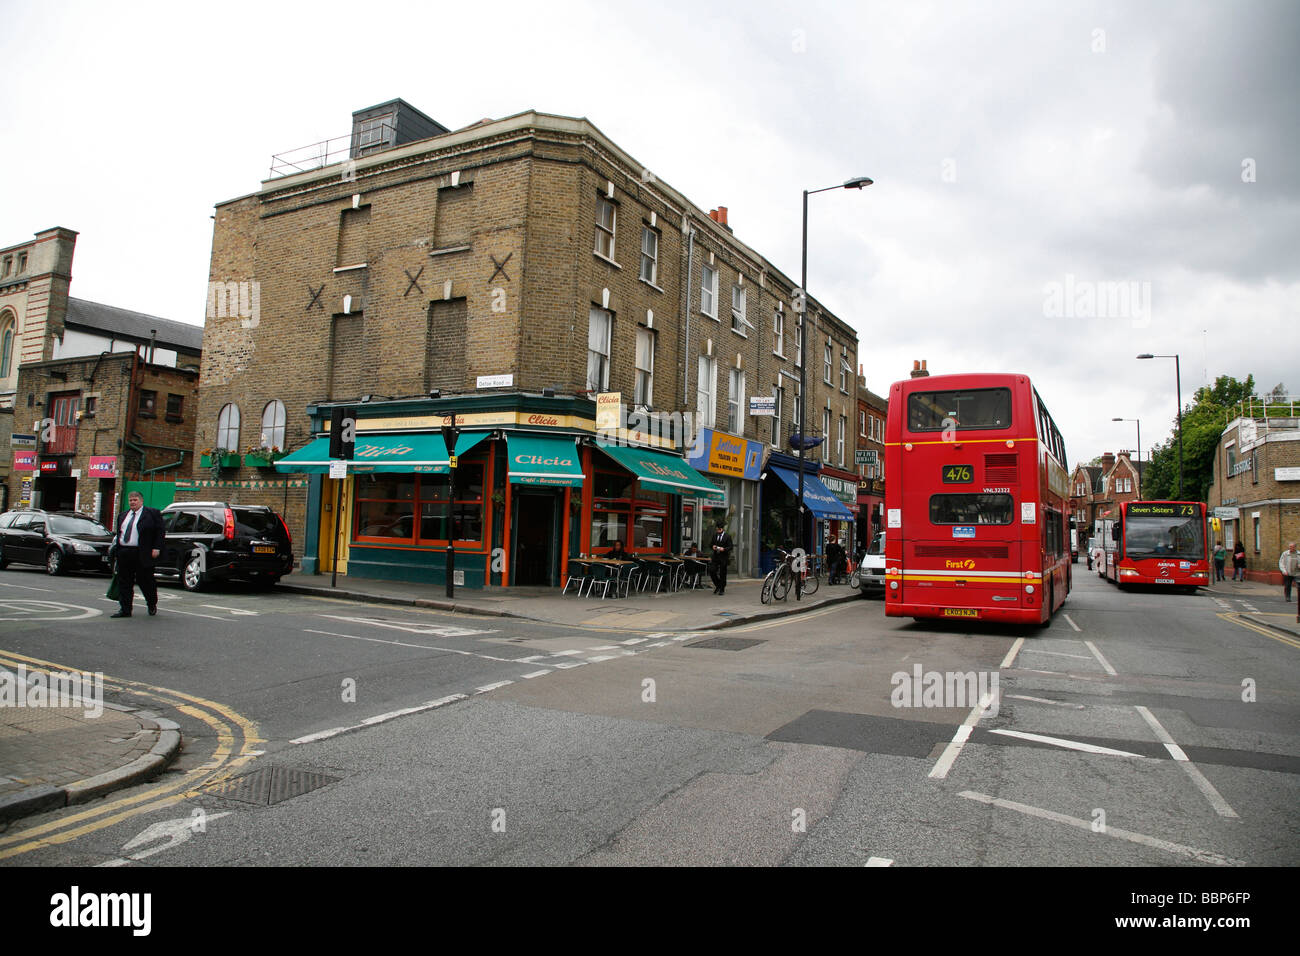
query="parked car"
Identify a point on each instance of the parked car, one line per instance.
(59, 541)
(220, 541)
(871, 572)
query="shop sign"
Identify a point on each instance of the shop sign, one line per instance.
(17, 440)
(762, 406)
(102, 466)
(1226, 514)
(1286, 474)
(609, 411)
(50, 467)
(864, 456)
(724, 454)
(25, 494)
(1239, 467)
(846, 491)
(24, 461)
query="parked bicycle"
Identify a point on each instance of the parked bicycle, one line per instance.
(783, 577)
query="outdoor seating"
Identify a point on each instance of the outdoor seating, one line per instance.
(579, 572)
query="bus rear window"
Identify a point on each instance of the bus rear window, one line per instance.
(964, 410)
(970, 509)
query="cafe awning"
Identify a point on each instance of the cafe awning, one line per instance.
(538, 460)
(664, 472)
(817, 498)
(424, 453)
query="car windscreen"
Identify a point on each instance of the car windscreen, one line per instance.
(256, 524)
(877, 545)
(63, 524)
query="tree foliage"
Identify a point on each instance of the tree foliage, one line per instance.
(1204, 419)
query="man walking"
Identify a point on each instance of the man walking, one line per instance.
(721, 554)
(140, 540)
(1289, 565)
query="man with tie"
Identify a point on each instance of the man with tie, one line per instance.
(721, 553)
(140, 540)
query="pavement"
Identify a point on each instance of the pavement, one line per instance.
(53, 757)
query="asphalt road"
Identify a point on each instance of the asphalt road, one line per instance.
(1145, 729)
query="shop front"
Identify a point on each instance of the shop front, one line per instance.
(871, 509)
(528, 487)
(823, 511)
(733, 464)
(844, 486)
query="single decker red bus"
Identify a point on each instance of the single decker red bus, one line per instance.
(1159, 542)
(976, 500)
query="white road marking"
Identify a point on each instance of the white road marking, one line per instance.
(423, 647)
(210, 617)
(636, 640)
(879, 861)
(1072, 624)
(25, 587)
(1044, 700)
(1067, 744)
(171, 832)
(1202, 856)
(1105, 664)
(661, 643)
(572, 653)
(488, 687)
(535, 674)
(1077, 657)
(1220, 805)
(335, 731)
(949, 755)
(1011, 654)
(601, 657)
(232, 610)
(530, 659)
(566, 666)
(437, 630)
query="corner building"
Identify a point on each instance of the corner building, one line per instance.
(499, 278)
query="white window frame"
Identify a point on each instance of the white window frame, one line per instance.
(738, 321)
(845, 369)
(645, 367)
(778, 333)
(778, 392)
(598, 352)
(840, 442)
(650, 256)
(830, 358)
(610, 231)
(735, 401)
(709, 292)
(273, 431)
(228, 427)
(706, 393)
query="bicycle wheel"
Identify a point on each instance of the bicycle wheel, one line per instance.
(781, 586)
(812, 582)
(766, 594)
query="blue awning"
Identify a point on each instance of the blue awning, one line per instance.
(817, 498)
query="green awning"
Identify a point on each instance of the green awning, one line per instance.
(424, 453)
(538, 460)
(663, 472)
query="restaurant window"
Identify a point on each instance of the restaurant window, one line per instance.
(388, 506)
(624, 511)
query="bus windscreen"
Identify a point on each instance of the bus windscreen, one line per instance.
(1154, 536)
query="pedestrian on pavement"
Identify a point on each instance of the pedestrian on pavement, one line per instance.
(618, 552)
(1289, 565)
(139, 543)
(1239, 561)
(721, 550)
(1220, 558)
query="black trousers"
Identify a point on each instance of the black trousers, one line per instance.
(718, 574)
(132, 571)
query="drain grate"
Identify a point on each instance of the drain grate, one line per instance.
(271, 785)
(727, 643)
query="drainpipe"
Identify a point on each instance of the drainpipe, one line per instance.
(686, 325)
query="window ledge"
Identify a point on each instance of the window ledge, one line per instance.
(713, 317)
(780, 355)
(449, 250)
(605, 258)
(738, 332)
(339, 269)
(650, 284)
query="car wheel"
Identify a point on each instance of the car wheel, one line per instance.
(54, 561)
(192, 575)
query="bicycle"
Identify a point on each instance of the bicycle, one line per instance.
(776, 584)
(812, 576)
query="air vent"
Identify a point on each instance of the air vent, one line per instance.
(961, 551)
(1000, 469)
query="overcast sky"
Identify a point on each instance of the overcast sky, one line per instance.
(1029, 158)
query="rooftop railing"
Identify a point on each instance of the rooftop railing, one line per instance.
(327, 152)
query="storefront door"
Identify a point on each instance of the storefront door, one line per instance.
(536, 536)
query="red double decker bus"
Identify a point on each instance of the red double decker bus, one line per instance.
(976, 500)
(1159, 542)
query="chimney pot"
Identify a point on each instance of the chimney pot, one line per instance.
(722, 215)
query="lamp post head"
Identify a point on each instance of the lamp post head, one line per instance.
(858, 182)
(1146, 355)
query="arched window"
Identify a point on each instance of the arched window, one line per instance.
(273, 425)
(6, 344)
(228, 428)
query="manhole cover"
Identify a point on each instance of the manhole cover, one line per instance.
(726, 643)
(271, 785)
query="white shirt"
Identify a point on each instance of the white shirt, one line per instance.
(131, 529)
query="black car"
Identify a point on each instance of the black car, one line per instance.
(59, 541)
(218, 541)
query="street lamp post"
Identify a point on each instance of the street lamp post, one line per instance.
(1139, 427)
(1178, 384)
(801, 306)
(449, 434)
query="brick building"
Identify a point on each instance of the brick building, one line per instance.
(872, 412)
(1255, 492)
(507, 273)
(1097, 490)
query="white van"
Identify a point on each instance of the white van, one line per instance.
(871, 572)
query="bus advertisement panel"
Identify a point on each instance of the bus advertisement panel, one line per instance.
(1160, 542)
(976, 501)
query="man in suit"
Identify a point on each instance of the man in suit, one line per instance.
(721, 553)
(140, 540)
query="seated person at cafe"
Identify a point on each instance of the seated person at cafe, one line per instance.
(617, 552)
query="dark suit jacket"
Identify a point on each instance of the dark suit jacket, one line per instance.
(149, 531)
(723, 539)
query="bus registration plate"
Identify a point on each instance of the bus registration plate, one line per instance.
(960, 612)
(1164, 580)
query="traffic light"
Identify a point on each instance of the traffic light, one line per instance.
(343, 432)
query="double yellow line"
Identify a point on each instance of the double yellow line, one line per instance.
(237, 740)
(1278, 636)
